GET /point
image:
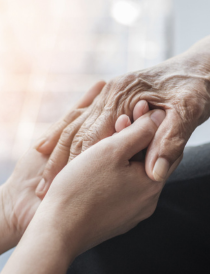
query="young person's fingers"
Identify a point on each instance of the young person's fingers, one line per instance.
(138, 136)
(47, 143)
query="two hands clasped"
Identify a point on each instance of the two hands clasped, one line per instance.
(88, 179)
(107, 182)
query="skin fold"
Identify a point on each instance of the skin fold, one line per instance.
(180, 86)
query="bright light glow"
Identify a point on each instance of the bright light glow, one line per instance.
(149, 49)
(23, 139)
(125, 12)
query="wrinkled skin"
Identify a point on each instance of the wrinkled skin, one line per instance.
(180, 86)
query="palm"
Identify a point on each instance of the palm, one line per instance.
(23, 182)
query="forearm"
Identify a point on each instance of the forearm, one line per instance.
(196, 59)
(42, 249)
(202, 48)
(8, 237)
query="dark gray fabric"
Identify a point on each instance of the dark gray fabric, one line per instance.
(175, 239)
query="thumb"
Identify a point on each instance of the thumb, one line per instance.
(138, 136)
(166, 147)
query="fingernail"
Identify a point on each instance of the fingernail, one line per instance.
(40, 143)
(158, 116)
(41, 186)
(128, 122)
(161, 169)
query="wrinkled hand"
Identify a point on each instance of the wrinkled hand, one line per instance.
(180, 86)
(183, 96)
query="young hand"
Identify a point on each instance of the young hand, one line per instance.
(18, 201)
(98, 195)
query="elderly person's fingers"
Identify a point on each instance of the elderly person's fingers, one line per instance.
(60, 154)
(140, 109)
(166, 147)
(59, 157)
(98, 127)
(87, 137)
(124, 121)
(180, 86)
(47, 143)
(138, 136)
(82, 141)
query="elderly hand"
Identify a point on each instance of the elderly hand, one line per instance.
(180, 86)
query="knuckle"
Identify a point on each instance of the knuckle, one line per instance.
(62, 145)
(193, 105)
(76, 144)
(76, 147)
(90, 138)
(174, 136)
(172, 143)
(73, 155)
(68, 131)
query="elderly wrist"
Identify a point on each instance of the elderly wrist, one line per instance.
(197, 59)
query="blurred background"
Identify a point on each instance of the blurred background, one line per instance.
(52, 51)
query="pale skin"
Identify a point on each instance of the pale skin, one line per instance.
(180, 86)
(18, 201)
(102, 183)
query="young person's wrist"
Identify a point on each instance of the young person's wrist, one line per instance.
(47, 240)
(8, 234)
(68, 230)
